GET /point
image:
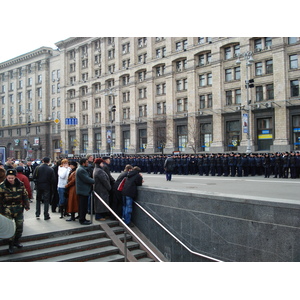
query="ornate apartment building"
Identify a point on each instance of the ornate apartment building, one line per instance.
(151, 95)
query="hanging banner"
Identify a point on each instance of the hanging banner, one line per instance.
(245, 123)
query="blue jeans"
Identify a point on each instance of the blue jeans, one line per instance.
(127, 209)
(61, 195)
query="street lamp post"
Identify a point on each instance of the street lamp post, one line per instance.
(248, 84)
(112, 108)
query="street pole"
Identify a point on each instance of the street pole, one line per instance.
(248, 57)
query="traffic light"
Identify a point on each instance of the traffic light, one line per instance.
(249, 84)
(113, 108)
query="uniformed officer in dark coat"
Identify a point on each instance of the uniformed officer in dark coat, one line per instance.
(13, 200)
(225, 161)
(232, 164)
(192, 165)
(200, 164)
(212, 163)
(239, 166)
(278, 165)
(219, 164)
(206, 164)
(285, 165)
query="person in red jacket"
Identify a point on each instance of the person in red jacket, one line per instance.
(22, 177)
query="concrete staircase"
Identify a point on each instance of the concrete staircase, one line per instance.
(93, 243)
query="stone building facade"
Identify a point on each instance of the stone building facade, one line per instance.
(154, 94)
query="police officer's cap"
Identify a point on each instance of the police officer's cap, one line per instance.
(11, 172)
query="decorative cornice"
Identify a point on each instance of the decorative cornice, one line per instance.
(27, 56)
(70, 42)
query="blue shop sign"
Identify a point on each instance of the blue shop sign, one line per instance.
(265, 131)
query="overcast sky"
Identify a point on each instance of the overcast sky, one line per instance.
(28, 25)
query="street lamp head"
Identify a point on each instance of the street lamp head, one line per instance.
(238, 62)
(251, 60)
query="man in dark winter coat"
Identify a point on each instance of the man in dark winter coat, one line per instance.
(45, 180)
(169, 167)
(134, 179)
(84, 184)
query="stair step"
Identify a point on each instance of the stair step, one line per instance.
(57, 250)
(85, 255)
(55, 241)
(138, 253)
(109, 258)
(145, 259)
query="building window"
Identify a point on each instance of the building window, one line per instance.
(232, 135)
(142, 59)
(143, 111)
(142, 93)
(293, 59)
(238, 96)
(85, 142)
(142, 76)
(142, 42)
(294, 88)
(228, 97)
(268, 42)
(237, 73)
(98, 141)
(228, 54)
(209, 100)
(257, 45)
(259, 96)
(182, 45)
(236, 50)
(126, 140)
(258, 69)
(269, 66)
(126, 48)
(161, 108)
(182, 105)
(204, 59)
(142, 139)
(228, 75)
(293, 40)
(84, 105)
(85, 119)
(182, 137)
(202, 102)
(270, 91)
(181, 85)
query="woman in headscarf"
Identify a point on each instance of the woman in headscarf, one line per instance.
(101, 187)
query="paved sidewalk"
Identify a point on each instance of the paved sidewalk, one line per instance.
(270, 189)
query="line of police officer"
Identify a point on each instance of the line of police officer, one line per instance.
(280, 165)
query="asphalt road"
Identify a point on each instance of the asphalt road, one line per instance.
(258, 187)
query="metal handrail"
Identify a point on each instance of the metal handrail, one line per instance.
(173, 236)
(127, 228)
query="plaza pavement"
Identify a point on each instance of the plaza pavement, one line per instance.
(255, 188)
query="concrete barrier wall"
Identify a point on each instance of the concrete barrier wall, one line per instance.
(226, 228)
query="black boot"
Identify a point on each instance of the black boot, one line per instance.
(17, 244)
(61, 210)
(11, 247)
(72, 217)
(65, 212)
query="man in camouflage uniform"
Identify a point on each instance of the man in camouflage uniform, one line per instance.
(13, 200)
